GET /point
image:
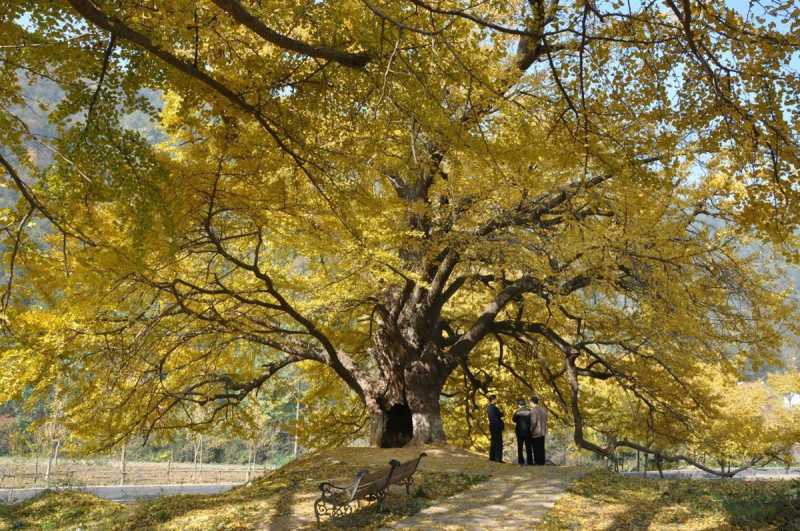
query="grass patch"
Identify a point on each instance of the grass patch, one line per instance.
(603, 500)
(283, 499)
(61, 510)
(430, 487)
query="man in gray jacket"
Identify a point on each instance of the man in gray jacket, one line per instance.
(538, 430)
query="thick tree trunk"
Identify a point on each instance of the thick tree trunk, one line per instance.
(401, 425)
(404, 407)
(412, 360)
(428, 427)
(424, 384)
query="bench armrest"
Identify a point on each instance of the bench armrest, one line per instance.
(329, 489)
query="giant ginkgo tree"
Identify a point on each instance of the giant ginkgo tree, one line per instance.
(398, 191)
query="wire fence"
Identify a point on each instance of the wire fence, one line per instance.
(25, 473)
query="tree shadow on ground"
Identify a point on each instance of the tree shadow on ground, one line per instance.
(430, 487)
(265, 501)
(55, 510)
(285, 500)
(515, 498)
(604, 500)
(396, 505)
(780, 509)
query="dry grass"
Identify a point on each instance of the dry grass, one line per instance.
(606, 501)
(284, 500)
(280, 500)
(66, 510)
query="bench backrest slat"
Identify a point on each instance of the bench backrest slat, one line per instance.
(367, 484)
(375, 482)
(406, 469)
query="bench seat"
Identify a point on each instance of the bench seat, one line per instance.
(341, 500)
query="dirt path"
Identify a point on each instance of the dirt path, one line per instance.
(514, 498)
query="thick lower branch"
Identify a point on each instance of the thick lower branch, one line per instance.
(608, 451)
(244, 17)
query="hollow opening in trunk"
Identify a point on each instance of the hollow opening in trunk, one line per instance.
(399, 427)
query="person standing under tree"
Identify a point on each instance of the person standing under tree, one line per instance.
(496, 427)
(538, 430)
(522, 421)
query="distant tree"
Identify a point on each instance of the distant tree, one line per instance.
(403, 196)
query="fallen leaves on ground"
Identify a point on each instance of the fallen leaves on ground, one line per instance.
(603, 500)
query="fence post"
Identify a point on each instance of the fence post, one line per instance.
(122, 465)
(196, 450)
(296, 422)
(51, 462)
(36, 467)
(55, 453)
(169, 464)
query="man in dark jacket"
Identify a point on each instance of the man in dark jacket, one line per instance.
(496, 427)
(522, 422)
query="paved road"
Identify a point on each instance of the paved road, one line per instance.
(749, 474)
(127, 493)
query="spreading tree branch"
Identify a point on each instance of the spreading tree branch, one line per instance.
(239, 13)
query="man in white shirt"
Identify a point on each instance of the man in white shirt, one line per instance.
(538, 430)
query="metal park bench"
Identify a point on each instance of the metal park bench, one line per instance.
(339, 500)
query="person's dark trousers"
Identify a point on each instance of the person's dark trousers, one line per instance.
(496, 445)
(538, 450)
(524, 440)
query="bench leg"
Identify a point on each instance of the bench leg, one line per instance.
(381, 496)
(409, 483)
(321, 509)
(342, 510)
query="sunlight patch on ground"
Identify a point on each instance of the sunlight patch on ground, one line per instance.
(605, 501)
(280, 500)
